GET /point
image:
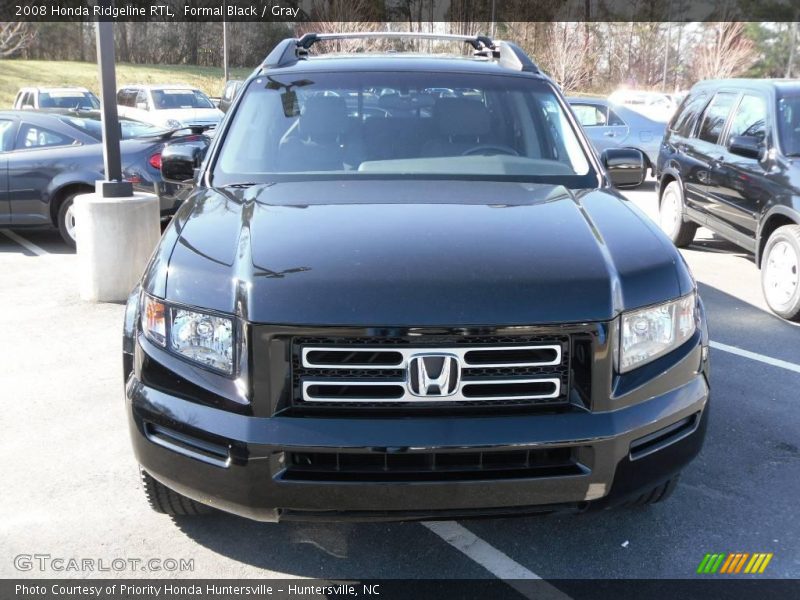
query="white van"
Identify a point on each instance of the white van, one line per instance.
(170, 105)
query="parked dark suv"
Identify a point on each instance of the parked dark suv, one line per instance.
(730, 161)
(382, 301)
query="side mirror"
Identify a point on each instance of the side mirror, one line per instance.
(27, 107)
(626, 167)
(180, 159)
(141, 105)
(747, 146)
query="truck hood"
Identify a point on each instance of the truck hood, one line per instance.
(419, 253)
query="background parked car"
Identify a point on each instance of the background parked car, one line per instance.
(229, 94)
(729, 162)
(609, 125)
(171, 106)
(36, 98)
(653, 105)
(47, 159)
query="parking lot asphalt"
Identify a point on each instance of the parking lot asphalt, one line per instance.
(70, 485)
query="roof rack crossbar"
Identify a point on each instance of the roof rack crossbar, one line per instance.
(507, 54)
(478, 42)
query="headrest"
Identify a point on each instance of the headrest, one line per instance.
(461, 116)
(323, 116)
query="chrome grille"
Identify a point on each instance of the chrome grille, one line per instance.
(370, 372)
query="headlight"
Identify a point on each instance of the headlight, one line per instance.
(652, 332)
(174, 124)
(202, 338)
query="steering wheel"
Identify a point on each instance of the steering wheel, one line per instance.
(485, 150)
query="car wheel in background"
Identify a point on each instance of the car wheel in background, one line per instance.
(780, 272)
(169, 502)
(671, 216)
(66, 220)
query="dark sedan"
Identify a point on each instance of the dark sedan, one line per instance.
(47, 159)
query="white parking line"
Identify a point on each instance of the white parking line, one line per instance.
(775, 362)
(493, 560)
(24, 243)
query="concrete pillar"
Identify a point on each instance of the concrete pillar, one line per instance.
(114, 238)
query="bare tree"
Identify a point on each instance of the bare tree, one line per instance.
(342, 16)
(722, 51)
(15, 37)
(565, 56)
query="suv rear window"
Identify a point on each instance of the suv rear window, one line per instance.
(126, 97)
(180, 98)
(715, 117)
(401, 124)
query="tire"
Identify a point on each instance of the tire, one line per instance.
(66, 219)
(780, 272)
(166, 501)
(658, 494)
(672, 216)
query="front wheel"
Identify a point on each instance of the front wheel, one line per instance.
(780, 272)
(671, 217)
(66, 220)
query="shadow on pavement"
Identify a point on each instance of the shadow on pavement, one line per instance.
(47, 240)
(714, 243)
(326, 550)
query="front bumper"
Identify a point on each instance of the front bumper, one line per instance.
(251, 480)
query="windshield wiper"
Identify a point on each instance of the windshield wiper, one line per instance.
(242, 184)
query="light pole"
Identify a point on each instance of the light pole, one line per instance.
(225, 50)
(115, 229)
(113, 186)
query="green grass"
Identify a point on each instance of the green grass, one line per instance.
(15, 74)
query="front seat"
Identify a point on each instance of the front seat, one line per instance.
(318, 142)
(461, 124)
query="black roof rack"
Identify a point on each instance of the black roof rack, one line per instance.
(507, 54)
(479, 42)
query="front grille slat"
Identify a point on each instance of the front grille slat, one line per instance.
(382, 358)
(384, 372)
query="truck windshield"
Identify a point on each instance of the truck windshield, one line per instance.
(68, 99)
(401, 124)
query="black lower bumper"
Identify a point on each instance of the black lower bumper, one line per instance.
(239, 464)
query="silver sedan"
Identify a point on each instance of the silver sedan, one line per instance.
(611, 125)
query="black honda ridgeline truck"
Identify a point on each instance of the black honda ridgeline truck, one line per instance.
(404, 288)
